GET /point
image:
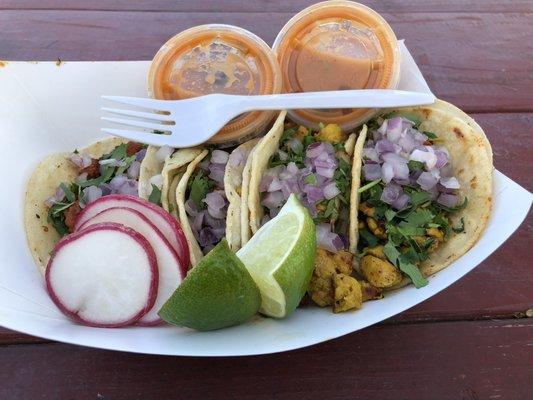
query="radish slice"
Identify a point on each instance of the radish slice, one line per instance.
(104, 276)
(165, 222)
(171, 272)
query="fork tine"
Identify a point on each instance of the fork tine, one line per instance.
(139, 114)
(142, 137)
(140, 124)
(140, 102)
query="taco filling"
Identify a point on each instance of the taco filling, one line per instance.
(317, 168)
(408, 194)
(205, 200)
(114, 172)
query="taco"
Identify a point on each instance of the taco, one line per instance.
(317, 166)
(425, 193)
(203, 188)
(63, 184)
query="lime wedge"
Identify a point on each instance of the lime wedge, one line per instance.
(218, 292)
(280, 257)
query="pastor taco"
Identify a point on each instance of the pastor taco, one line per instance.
(63, 184)
(425, 193)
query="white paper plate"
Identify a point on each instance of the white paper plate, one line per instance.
(46, 108)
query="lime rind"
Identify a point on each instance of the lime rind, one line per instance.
(280, 258)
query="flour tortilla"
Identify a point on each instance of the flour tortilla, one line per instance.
(471, 158)
(46, 177)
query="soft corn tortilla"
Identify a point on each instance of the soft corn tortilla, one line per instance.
(471, 158)
(233, 184)
(173, 170)
(262, 153)
(46, 177)
(237, 194)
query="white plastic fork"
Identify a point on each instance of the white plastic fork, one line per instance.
(187, 123)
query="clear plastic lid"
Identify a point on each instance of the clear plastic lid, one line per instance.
(337, 45)
(218, 59)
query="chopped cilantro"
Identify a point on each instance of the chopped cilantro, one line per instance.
(430, 135)
(155, 195)
(368, 237)
(104, 178)
(419, 217)
(415, 165)
(199, 186)
(368, 186)
(412, 272)
(390, 214)
(459, 228)
(332, 211)
(69, 194)
(307, 140)
(127, 162)
(310, 179)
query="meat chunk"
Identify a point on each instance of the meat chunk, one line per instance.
(133, 148)
(370, 292)
(71, 214)
(93, 170)
(380, 273)
(348, 293)
(343, 262)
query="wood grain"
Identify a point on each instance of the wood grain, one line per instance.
(454, 360)
(391, 6)
(479, 61)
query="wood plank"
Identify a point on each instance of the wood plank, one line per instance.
(501, 286)
(461, 54)
(412, 6)
(459, 360)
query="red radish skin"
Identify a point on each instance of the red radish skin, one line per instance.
(171, 271)
(166, 223)
(118, 228)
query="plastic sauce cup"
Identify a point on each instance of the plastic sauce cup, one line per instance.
(337, 45)
(218, 58)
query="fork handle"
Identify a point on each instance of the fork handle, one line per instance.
(365, 98)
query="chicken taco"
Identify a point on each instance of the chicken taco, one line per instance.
(319, 167)
(425, 193)
(65, 183)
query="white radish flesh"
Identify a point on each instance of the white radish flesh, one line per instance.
(104, 276)
(170, 272)
(165, 222)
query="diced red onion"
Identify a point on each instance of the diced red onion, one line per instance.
(273, 200)
(331, 190)
(130, 187)
(216, 173)
(314, 194)
(394, 129)
(430, 159)
(198, 221)
(157, 180)
(214, 222)
(140, 155)
(370, 154)
(315, 149)
(274, 186)
(427, 181)
(81, 160)
(442, 159)
(163, 152)
(58, 196)
(401, 202)
(450, 183)
(219, 157)
(387, 172)
(385, 146)
(106, 189)
(326, 172)
(383, 128)
(282, 155)
(419, 136)
(215, 200)
(327, 239)
(448, 200)
(134, 170)
(292, 168)
(237, 157)
(391, 192)
(117, 182)
(191, 208)
(91, 194)
(372, 171)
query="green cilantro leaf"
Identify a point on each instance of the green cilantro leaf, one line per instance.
(412, 272)
(368, 186)
(420, 217)
(199, 187)
(368, 237)
(105, 177)
(155, 195)
(430, 135)
(310, 179)
(461, 227)
(415, 165)
(69, 194)
(390, 214)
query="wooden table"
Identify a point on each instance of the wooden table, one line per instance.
(472, 341)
